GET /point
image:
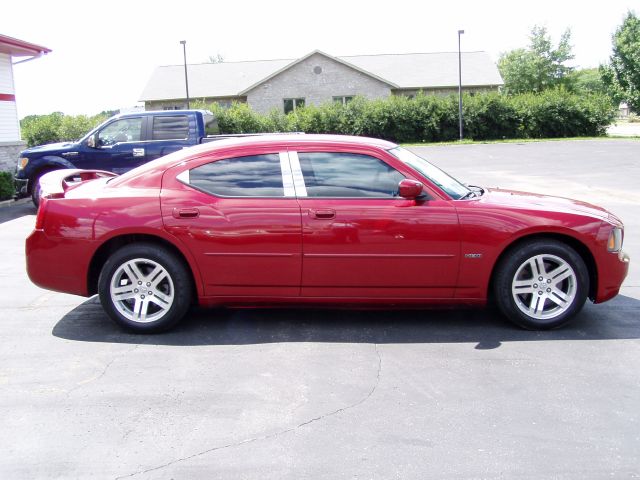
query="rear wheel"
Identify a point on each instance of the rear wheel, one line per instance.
(145, 288)
(541, 284)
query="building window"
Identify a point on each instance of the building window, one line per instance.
(343, 100)
(291, 104)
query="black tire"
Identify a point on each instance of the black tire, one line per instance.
(133, 266)
(541, 305)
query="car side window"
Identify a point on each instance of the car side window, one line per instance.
(124, 130)
(336, 174)
(170, 127)
(251, 176)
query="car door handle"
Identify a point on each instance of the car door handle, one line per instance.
(138, 152)
(323, 214)
(186, 212)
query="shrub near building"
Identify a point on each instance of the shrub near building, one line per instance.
(429, 118)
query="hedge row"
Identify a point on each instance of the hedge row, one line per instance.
(57, 127)
(431, 118)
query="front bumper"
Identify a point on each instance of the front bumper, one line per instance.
(21, 186)
(611, 275)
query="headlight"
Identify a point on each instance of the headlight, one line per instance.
(614, 244)
(23, 162)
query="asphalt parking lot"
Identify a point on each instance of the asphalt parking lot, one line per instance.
(273, 394)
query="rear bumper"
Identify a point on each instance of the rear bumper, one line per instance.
(57, 264)
(611, 273)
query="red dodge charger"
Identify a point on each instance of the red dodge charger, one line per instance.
(315, 219)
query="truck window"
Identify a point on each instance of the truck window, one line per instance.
(124, 130)
(170, 127)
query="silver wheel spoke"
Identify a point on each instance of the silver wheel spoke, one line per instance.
(123, 293)
(161, 300)
(558, 297)
(523, 286)
(562, 274)
(536, 304)
(134, 271)
(155, 273)
(140, 310)
(537, 266)
(159, 278)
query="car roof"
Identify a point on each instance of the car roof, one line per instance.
(239, 143)
(298, 139)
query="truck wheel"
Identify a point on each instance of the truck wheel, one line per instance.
(35, 189)
(145, 288)
(541, 284)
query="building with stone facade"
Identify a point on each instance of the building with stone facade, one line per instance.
(10, 140)
(317, 78)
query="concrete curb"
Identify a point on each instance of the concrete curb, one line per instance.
(8, 203)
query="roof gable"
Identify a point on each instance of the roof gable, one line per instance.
(302, 59)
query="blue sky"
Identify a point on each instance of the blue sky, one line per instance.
(104, 52)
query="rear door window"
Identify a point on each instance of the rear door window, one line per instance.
(250, 176)
(170, 127)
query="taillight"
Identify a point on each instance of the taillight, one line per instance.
(41, 213)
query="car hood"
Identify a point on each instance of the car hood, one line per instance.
(49, 148)
(534, 201)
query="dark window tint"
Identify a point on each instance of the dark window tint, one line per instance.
(348, 175)
(174, 127)
(254, 176)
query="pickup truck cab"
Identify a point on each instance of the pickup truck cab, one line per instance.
(118, 145)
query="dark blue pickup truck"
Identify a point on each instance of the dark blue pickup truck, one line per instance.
(121, 143)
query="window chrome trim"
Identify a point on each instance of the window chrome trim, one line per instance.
(298, 178)
(287, 175)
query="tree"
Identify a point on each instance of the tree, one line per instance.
(538, 67)
(217, 58)
(622, 74)
(586, 80)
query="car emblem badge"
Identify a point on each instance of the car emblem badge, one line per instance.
(473, 255)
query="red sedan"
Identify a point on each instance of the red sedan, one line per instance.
(313, 219)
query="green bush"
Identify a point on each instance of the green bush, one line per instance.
(6, 186)
(432, 118)
(57, 127)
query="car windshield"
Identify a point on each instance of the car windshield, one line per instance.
(450, 185)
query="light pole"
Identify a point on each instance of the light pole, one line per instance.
(460, 32)
(186, 78)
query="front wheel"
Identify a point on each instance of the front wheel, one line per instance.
(541, 284)
(145, 288)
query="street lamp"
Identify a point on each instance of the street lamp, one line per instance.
(460, 32)
(186, 78)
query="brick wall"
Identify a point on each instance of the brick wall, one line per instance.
(315, 85)
(9, 152)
